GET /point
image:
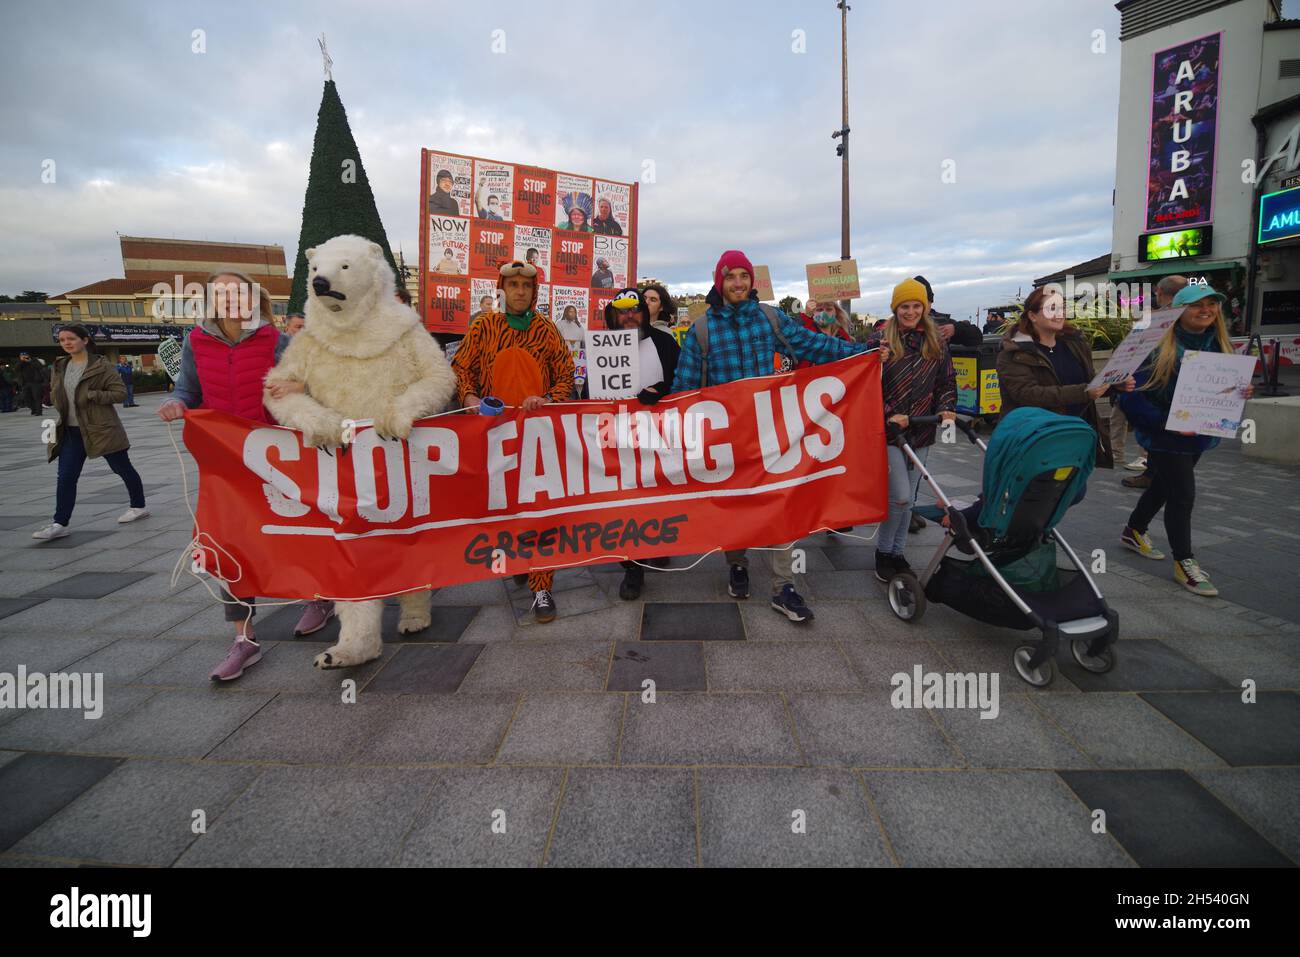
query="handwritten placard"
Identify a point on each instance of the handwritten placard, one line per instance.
(1137, 345)
(1210, 394)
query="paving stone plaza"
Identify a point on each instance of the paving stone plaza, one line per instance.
(487, 716)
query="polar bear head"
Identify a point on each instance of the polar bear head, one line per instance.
(348, 277)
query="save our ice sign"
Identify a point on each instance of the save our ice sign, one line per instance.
(612, 363)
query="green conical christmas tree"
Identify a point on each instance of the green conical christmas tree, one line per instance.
(339, 200)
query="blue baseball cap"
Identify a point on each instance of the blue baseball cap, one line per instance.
(1195, 293)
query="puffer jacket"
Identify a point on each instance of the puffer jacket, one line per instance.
(1026, 377)
(97, 392)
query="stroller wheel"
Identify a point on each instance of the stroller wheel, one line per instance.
(1039, 677)
(1097, 664)
(906, 597)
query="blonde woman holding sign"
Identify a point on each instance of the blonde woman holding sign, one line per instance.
(1172, 456)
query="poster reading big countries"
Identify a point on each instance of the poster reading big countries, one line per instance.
(487, 212)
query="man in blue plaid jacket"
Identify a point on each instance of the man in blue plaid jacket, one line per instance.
(742, 342)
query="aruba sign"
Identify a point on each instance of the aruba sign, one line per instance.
(1279, 216)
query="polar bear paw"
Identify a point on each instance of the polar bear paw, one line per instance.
(393, 423)
(412, 621)
(322, 431)
(336, 656)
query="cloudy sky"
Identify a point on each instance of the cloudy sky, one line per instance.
(151, 138)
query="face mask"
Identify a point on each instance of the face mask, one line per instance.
(824, 318)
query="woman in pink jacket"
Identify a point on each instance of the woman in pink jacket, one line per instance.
(224, 362)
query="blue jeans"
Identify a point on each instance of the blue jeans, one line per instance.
(72, 456)
(6, 399)
(130, 392)
(891, 537)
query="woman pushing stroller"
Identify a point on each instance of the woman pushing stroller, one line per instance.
(918, 380)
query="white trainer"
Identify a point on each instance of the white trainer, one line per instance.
(1137, 465)
(52, 530)
(131, 514)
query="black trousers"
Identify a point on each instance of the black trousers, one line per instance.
(1173, 488)
(31, 396)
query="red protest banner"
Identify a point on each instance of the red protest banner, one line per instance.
(754, 462)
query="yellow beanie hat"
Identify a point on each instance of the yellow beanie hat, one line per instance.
(907, 291)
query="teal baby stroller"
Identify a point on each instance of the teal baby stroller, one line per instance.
(1036, 466)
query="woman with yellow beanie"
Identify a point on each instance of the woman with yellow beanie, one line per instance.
(918, 379)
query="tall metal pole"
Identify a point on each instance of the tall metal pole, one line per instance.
(846, 304)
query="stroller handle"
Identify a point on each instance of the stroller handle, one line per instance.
(895, 433)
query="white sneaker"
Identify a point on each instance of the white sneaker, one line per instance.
(1137, 465)
(53, 530)
(131, 514)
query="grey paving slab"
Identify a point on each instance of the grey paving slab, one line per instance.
(157, 587)
(141, 814)
(833, 621)
(1145, 664)
(700, 729)
(487, 592)
(851, 558)
(176, 724)
(308, 729)
(1016, 735)
(35, 786)
(778, 666)
(564, 729)
(1123, 731)
(540, 666)
(877, 662)
(1265, 798)
(485, 818)
(697, 621)
(839, 586)
(425, 669)
(87, 585)
(15, 584)
(1151, 813)
(779, 817)
(988, 818)
(671, 665)
(494, 623)
(8, 522)
(12, 606)
(1266, 732)
(993, 656)
(315, 817)
(1242, 660)
(47, 652)
(443, 729)
(625, 818)
(62, 729)
(75, 538)
(143, 619)
(1182, 618)
(864, 730)
(58, 616)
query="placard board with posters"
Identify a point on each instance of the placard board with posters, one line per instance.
(488, 211)
(613, 361)
(834, 280)
(1137, 345)
(1210, 394)
(763, 283)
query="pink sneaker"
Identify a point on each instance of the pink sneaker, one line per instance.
(244, 653)
(315, 616)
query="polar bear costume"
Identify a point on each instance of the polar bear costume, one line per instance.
(363, 355)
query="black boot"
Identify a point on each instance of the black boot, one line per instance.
(633, 578)
(884, 566)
